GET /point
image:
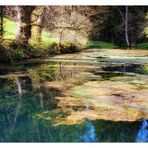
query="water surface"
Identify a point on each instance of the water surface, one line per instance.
(38, 104)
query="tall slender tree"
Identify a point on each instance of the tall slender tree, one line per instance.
(125, 21)
(126, 26)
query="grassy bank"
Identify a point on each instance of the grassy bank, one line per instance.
(101, 44)
(46, 46)
(142, 46)
(11, 29)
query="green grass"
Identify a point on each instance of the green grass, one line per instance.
(101, 44)
(145, 68)
(46, 39)
(142, 46)
(10, 29)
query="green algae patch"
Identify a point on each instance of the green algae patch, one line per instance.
(118, 101)
(93, 56)
(145, 68)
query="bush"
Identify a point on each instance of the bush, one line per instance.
(63, 48)
(17, 54)
(69, 48)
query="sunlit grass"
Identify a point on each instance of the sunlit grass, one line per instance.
(47, 40)
(101, 44)
(10, 29)
(142, 46)
(10, 34)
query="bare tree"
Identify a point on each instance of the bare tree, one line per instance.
(68, 24)
(125, 21)
(126, 26)
(73, 24)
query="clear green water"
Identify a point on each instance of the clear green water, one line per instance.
(22, 97)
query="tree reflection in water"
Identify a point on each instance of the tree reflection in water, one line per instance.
(143, 132)
(24, 96)
(90, 133)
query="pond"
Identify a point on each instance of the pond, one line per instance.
(76, 98)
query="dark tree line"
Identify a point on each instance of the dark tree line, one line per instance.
(125, 25)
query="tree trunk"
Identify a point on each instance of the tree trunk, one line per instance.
(24, 24)
(126, 26)
(37, 23)
(1, 21)
(39, 29)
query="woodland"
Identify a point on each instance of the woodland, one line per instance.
(73, 73)
(38, 31)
